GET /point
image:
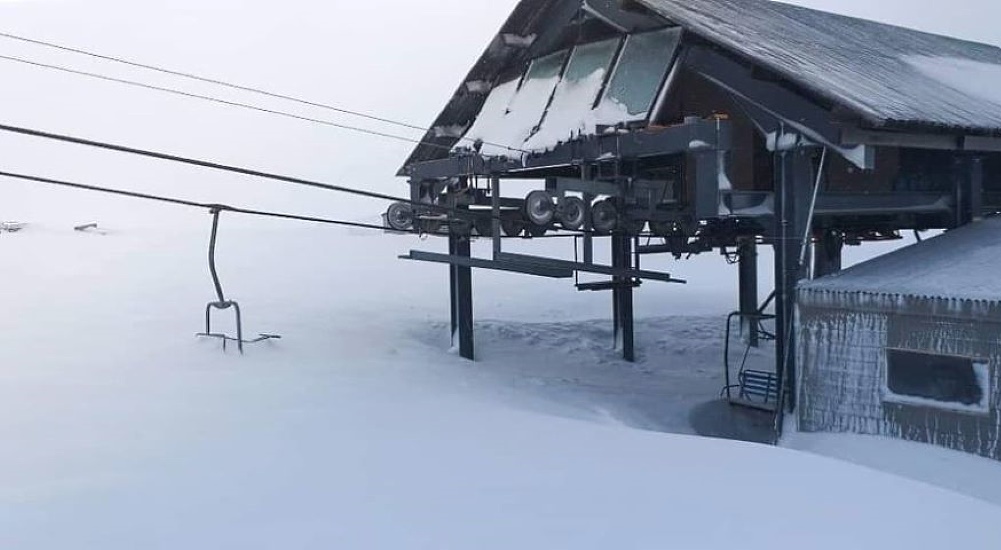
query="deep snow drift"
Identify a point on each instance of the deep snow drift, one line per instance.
(359, 430)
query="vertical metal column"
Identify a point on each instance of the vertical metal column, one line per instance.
(461, 281)
(453, 293)
(461, 287)
(976, 200)
(622, 297)
(968, 175)
(827, 258)
(793, 179)
(588, 227)
(747, 252)
(495, 213)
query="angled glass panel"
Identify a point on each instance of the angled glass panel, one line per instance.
(571, 112)
(640, 71)
(524, 109)
(493, 112)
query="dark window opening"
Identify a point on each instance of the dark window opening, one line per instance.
(938, 378)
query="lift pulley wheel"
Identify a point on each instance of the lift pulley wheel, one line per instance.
(512, 227)
(484, 226)
(540, 208)
(400, 217)
(572, 213)
(604, 217)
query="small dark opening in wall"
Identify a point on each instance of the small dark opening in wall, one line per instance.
(937, 377)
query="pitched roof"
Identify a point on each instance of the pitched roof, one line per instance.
(889, 75)
(962, 264)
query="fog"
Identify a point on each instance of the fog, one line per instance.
(397, 59)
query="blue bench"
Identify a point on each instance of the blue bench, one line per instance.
(756, 385)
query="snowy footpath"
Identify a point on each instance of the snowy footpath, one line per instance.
(121, 430)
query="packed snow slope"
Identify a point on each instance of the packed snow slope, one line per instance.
(357, 430)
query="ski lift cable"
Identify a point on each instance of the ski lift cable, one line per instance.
(195, 204)
(459, 213)
(244, 88)
(221, 101)
(208, 80)
(211, 207)
(210, 165)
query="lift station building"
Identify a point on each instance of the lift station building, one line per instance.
(704, 125)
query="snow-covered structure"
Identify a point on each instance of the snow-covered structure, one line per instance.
(909, 345)
(701, 126)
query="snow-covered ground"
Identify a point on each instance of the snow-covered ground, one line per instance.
(359, 430)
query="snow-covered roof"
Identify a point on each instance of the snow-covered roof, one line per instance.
(887, 74)
(963, 264)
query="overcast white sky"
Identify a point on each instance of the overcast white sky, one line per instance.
(398, 58)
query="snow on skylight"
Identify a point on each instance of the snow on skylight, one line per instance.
(507, 128)
(569, 114)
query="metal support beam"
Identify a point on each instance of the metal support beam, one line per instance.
(461, 286)
(767, 95)
(534, 269)
(495, 212)
(968, 178)
(646, 143)
(589, 235)
(827, 255)
(706, 199)
(976, 188)
(622, 297)
(747, 252)
(613, 270)
(794, 180)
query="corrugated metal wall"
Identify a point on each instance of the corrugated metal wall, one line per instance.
(842, 342)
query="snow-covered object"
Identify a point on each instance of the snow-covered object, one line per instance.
(866, 66)
(513, 113)
(963, 265)
(975, 78)
(554, 105)
(939, 298)
(122, 431)
(569, 114)
(12, 227)
(888, 76)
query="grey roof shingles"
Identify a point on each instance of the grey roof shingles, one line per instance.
(858, 63)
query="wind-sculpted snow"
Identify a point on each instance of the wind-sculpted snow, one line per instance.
(358, 430)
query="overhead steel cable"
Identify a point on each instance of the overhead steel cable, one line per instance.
(243, 88)
(194, 204)
(456, 212)
(238, 104)
(211, 165)
(209, 80)
(215, 206)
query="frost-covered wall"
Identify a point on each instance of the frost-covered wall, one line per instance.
(843, 339)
